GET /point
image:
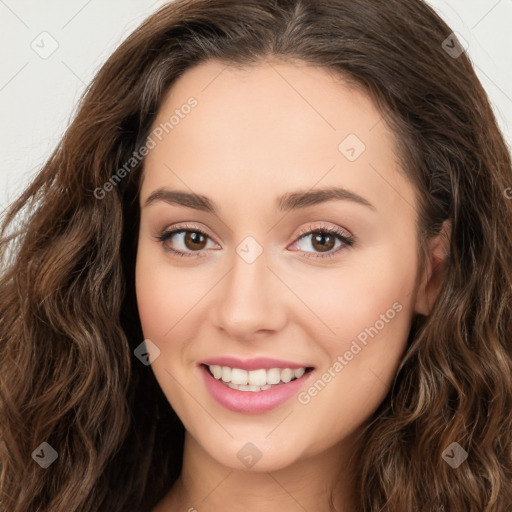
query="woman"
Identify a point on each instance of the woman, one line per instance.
(268, 268)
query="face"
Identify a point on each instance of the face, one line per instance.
(263, 265)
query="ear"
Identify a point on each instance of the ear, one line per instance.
(431, 281)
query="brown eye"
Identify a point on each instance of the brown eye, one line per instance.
(185, 242)
(320, 242)
(194, 240)
(323, 242)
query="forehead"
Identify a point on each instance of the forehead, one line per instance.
(295, 100)
(265, 127)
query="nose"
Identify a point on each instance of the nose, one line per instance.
(250, 301)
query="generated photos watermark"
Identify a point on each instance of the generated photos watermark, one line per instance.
(45, 455)
(147, 352)
(454, 455)
(304, 397)
(138, 155)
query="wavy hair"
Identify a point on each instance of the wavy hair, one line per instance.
(68, 314)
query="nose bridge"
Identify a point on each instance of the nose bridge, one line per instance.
(249, 299)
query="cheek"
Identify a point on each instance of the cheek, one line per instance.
(162, 302)
(151, 295)
(163, 292)
(372, 325)
(365, 292)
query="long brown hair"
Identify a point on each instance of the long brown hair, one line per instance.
(69, 321)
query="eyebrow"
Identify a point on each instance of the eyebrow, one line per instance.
(285, 203)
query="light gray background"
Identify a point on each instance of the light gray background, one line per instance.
(38, 95)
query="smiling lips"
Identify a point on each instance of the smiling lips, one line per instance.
(269, 382)
(255, 374)
(254, 380)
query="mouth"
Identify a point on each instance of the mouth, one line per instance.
(254, 391)
(257, 380)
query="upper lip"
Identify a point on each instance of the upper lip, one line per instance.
(253, 364)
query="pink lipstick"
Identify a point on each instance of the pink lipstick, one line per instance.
(261, 398)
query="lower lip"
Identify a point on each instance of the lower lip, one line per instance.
(252, 401)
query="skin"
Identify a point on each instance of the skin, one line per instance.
(258, 133)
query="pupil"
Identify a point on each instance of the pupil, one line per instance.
(194, 238)
(326, 245)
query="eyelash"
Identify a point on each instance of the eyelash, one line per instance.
(348, 241)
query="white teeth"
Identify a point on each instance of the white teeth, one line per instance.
(238, 376)
(257, 377)
(286, 375)
(217, 371)
(299, 372)
(248, 387)
(273, 375)
(226, 374)
(254, 380)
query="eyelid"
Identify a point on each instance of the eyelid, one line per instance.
(323, 227)
(187, 227)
